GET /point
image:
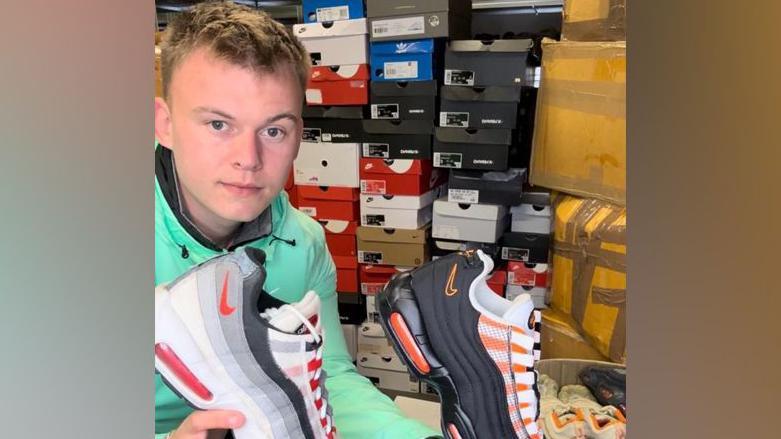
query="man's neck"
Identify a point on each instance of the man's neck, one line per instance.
(217, 230)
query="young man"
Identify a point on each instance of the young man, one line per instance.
(228, 130)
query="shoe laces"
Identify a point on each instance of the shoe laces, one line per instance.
(524, 353)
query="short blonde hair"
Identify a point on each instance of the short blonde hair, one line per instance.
(235, 33)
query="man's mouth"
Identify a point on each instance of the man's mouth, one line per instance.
(241, 189)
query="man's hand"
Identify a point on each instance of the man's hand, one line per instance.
(198, 424)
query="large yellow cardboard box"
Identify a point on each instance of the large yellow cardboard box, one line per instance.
(560, 339)
(589, 270)
(580, 127)
(594, 20)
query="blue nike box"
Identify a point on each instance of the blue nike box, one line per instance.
(331, 10)
(411, 60)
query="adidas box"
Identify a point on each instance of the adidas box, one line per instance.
(539, 295)
(338, 85)
(327, 112)
(405, 19)
(397, 139)
(496, 187)
(473, 222)
(527, 274)
(533, 215)
(398, 211)
(321, 164)
(467, 148)
(346, 274)
(334, 130)
(335, 43)
(478, 63)
(406, 100)
(403, 60)
(399, 177)
(479, 107)
(525, 247)
(331, 10)
(407, 248)
(387, 372)
(374, 277)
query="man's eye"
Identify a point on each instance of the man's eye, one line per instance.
(217, 125)
(274, 133)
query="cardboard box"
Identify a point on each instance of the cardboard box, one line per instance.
(397, 139)
(331, 10)
(528, 275)
(333, 131)
(460, 148)
(533, 215)
(407, 248)
(346, 274)
(321, 164)
(486, 187)
(479, 107)
(374, 277)
(589, 281)
(560, 339)
(387, 372)
(403, 60)
(335, 43)
(473, 222)
(327, 112)
(594, 20)
(351, 339)
(338, 85)
(406, 19)
(399, 177)
(539, 295)
(406, 100)
(398, 211)
(484, 63)
(352, 308)
(580, 127)
(533, 248)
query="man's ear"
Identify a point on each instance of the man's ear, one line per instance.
(163, 128)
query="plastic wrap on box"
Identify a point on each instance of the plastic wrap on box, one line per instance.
(594, 20)
(580, 126)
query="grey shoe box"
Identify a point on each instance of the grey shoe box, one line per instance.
(478, 63)
(479, 107)
(440, 24)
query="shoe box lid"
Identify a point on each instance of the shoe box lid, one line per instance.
(327, 164)
(329, 193)
(403, 107)
(536, 196)
(482, 212)
(330, 29)
(331, 10)
(339, 227)
(396, 218)
(497, 187)
(337, 93)
(413, 202)
(332, 131)
(414, 66)
(351, 72)
(391, 235)
(395, 167)
(485, 63)
(528, 274)
(476, 222)
(525, 247)
(335, 43)
(384, 8)
(470, 109)
(442, 247)
(460, 148)
(329, 112)
(371, 272)
(401, 184)
(534, 210)
(533, 218)
(329, 209)
(403, 88)
(436, 24)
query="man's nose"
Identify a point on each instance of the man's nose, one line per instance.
(246, 153)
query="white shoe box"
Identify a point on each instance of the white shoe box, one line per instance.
(372, 315)
(468, 222)
(351, 338)
(539, 294)
(337, 43)
(327, 164)
(372, 339)
(531, 218)
(398, 211)
(387, 372)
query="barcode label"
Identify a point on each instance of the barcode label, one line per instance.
(459, 77)
(373, 187)
(400, 70)
(366, 257)
(316, 57)
(377, 150)
(373, 220)
(447, 160)
(314, 96)
(311, 211)
(449, 119)
(369, 289)
(333, 13)
(398, 26)
(385, 111)
(311, 135)
(515, 254)
(470, 196)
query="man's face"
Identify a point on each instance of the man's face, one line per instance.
(234, 133)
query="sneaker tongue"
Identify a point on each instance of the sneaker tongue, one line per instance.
(520, 312)
(288, 321)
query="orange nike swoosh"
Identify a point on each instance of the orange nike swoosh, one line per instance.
(225, 309)
(449, 289)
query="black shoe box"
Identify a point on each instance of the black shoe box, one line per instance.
(334, 112)
(483, 63)
(496, 187)
(404, 100)
(467, 148)
(397, 139)
(525, 247)
(333, 130)
(352, 308)
(479, 107)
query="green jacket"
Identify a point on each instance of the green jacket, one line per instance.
(360, 410)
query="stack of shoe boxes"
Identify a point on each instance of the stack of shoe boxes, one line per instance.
(326, 174)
